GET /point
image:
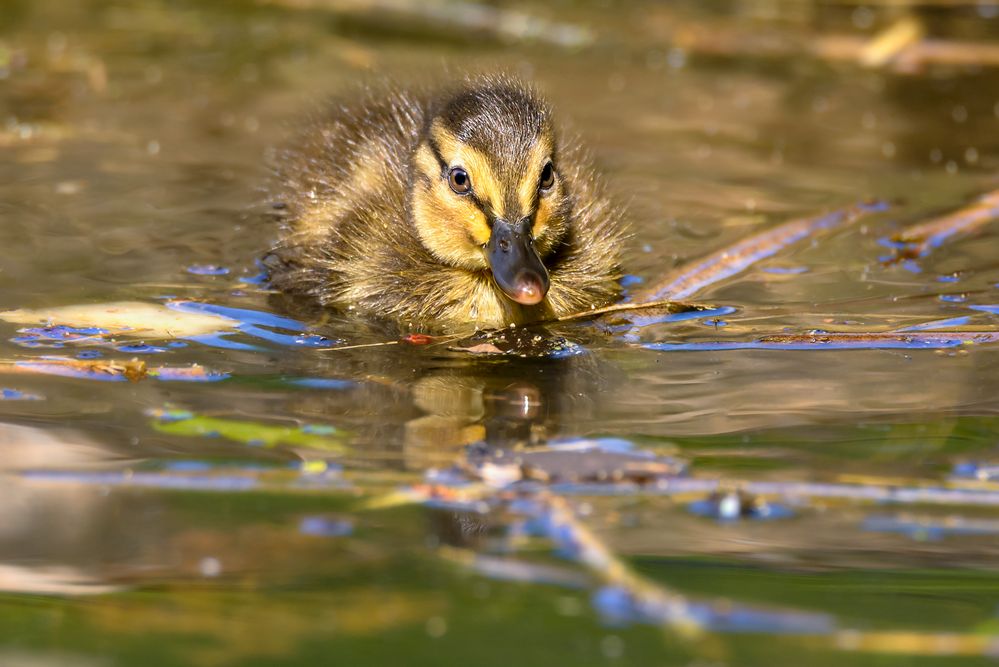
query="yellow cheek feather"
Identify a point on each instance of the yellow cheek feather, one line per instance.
(542, 217)
(479, 227)
(450, 226)
(527, 190)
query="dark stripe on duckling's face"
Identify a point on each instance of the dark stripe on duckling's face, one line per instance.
(445, 173)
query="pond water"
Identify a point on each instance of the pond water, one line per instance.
(304, 504)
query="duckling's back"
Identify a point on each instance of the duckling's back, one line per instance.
(341, 194)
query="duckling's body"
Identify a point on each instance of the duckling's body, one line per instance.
(457, 208)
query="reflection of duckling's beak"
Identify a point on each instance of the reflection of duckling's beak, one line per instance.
(517, 267)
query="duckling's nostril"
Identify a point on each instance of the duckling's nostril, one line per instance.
(504, 245)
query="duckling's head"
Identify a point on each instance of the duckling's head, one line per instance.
(487, 190)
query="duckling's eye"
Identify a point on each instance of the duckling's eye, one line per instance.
(459, 181)
(547, 177)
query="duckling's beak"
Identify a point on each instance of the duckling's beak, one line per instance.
(517, 267)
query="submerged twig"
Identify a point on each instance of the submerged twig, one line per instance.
(919, 240)
(689, 279)
(646, 597)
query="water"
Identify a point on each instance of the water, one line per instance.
(263, 517)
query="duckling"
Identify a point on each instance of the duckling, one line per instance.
(460, 207)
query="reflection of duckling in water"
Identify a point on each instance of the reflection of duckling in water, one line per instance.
(461, 208)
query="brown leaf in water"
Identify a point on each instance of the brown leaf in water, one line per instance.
(481, 348)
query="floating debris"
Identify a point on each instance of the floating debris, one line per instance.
(481, 348)
(418, 339)
(662, 309)
(687, 280)
(914, 340)
(122, 318)
(111, 370)
(525, 342)
(204, 323)
(919, 240)
(107, 370)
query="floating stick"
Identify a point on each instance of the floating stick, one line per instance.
(919, 240)
(689, 279)
(934, 340)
